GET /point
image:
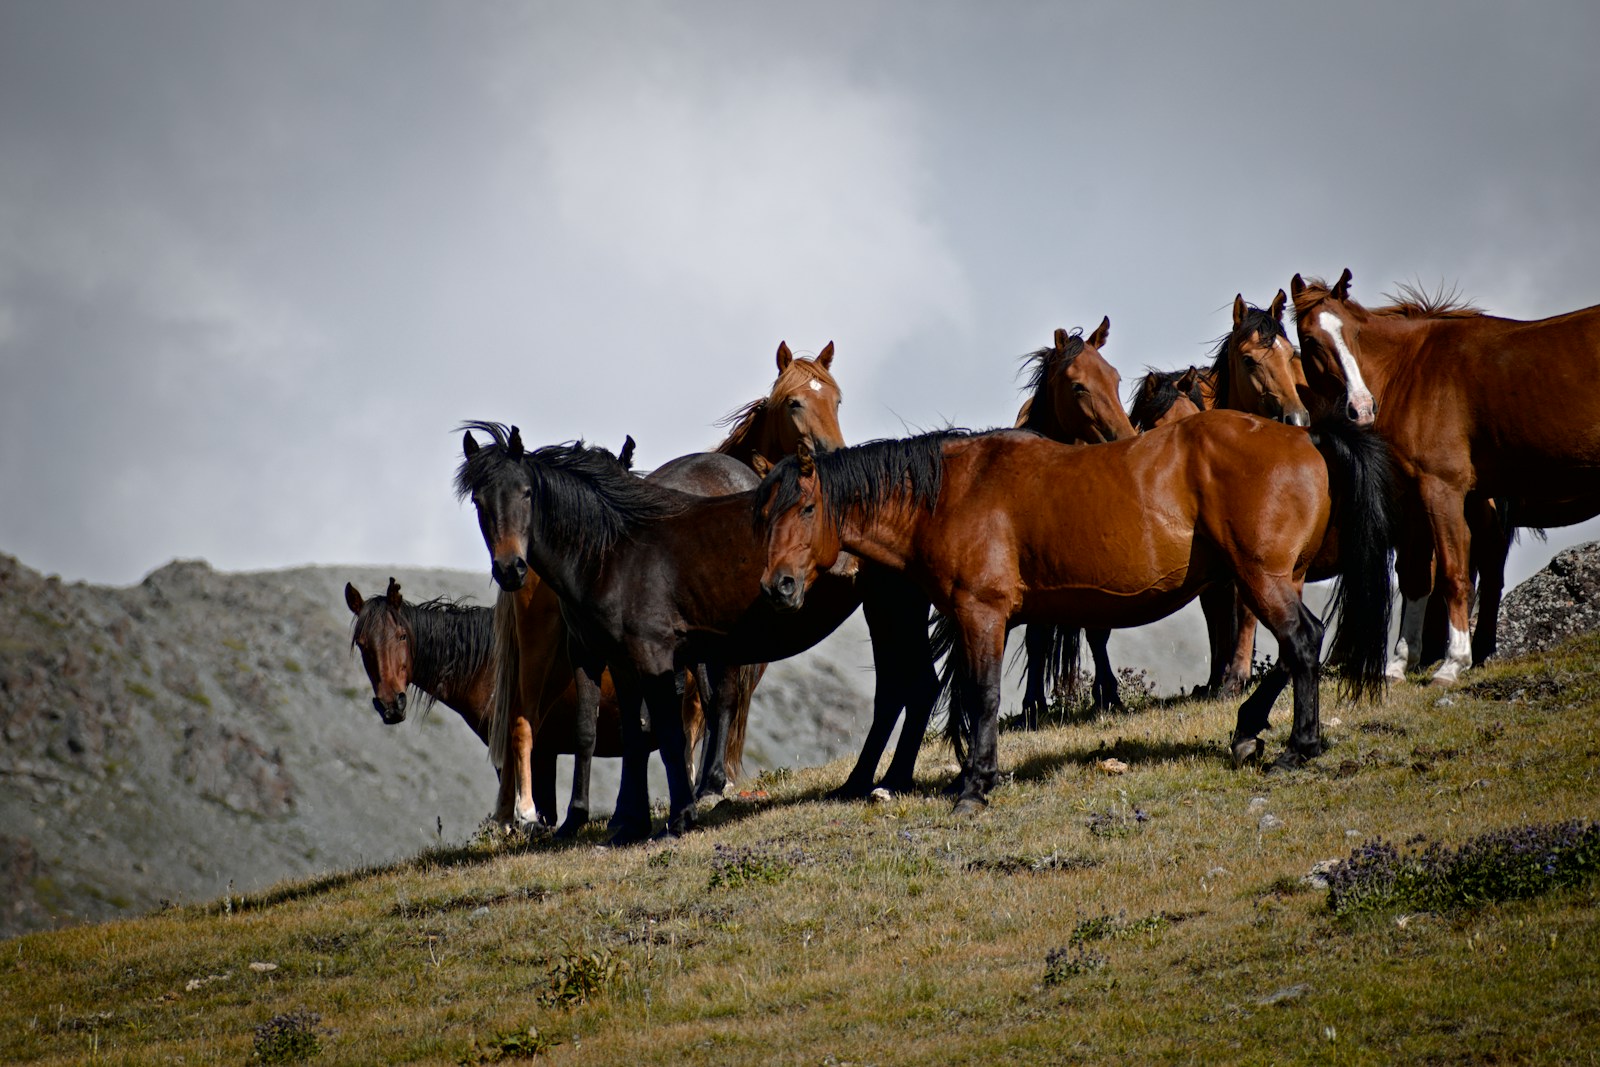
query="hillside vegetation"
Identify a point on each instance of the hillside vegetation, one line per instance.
(1162, 914)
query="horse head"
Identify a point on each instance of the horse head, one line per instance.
(501, 488)
(801, 541)
(1075, 395)
(1257, 366)
(381, 635)
(1168, 396)
(1329, 325)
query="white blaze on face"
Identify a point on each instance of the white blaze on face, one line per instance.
(1360, 396)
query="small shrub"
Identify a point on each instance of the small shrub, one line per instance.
(733, 867)
(515, 1044)
(1063, 963)
(291, 1038)
(1505, 864)
(1115, 823)
(1118, 926)
(577, 976)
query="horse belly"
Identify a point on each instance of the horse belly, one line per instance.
(1111, 609)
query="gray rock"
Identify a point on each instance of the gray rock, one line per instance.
(1560, 601)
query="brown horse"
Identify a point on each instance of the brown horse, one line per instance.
(444, 650)
(1484, 414)
(1075, 397)
(803, 405)
(1005, 528)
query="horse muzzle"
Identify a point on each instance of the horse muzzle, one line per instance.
(1301, 418)
(391, 715)
(511, 574)
(784, 592)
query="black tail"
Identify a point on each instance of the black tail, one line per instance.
(1361, 479)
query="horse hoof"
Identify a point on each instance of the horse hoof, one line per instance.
(1247, 750)
(970, 806)
(628, 834)
(848, 791)
(1288, 760)
(569, 829)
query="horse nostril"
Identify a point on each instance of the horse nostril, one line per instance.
(378, 706)
(1353, 412)
(400, 701)
(786, 585)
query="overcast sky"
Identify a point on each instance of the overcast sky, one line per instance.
(258, 260)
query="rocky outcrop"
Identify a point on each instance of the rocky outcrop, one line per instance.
(1560, 601)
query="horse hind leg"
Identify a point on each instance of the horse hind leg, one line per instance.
(1036, 643)
(1107, 694)
(1299, 635)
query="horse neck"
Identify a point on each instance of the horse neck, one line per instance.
(1387, 344)
(752, 436)
(1042, 419)
(887, 537)
(434, 632)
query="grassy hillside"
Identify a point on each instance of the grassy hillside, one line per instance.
(1156, 915)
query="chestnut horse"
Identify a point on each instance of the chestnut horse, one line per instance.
(1005, 528)
(652, 581)
(1075, 397)
(1490, 419)
(802, 406)
(444, 650)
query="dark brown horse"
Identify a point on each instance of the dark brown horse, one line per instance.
(1006, 528)
(1075, 397)
(444, 650)
(1487, 417)
(1167, 396)
(652, 581)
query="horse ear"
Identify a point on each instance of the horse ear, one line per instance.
(514, 443)
(1277, 305)
(808, 466)
(1103, 331)
(469, 447)
(353, 598)
(1297, 285)
(393, 594)
(625, 457)
(1060, 340)
(825, 357)
(1341, 291)
(785, 357)
(1185, 384)
(762, 464)
(1238, 309)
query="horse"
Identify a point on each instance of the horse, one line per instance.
(443, 650)
(652, 580)
(1075, 397)
(1166, 396)
(1492, 422)
(801, 405)
(1004, 528)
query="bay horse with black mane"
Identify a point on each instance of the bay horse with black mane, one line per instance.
(444, 650)
(1166, 396)
(1005, 528)
(652, 581)
(1075, 397)
(1488, 417)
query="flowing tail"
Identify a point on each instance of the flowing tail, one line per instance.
(507, 675)
(1361, 477)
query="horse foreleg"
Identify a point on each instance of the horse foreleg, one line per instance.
(983, 640)
(1219, 603)
(1452, 545)
(1413, 566)
(543, 764)
(906, 680)
(519, 758)
(1107, 695)
(1242, 649)
(584, 728)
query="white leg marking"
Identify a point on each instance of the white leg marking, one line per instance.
(1360, 395)
(1408, 646)
(1459, 659)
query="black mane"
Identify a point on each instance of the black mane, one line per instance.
(866, 476)
(1255, 319)
(1045, 364)
(450, 641)
(1158, 391)
(584, 499)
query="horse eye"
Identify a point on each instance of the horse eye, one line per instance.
(809, 509)
(1250, 363)
(796, 405)
(1079, 388)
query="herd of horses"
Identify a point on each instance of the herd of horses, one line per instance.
(637, 614)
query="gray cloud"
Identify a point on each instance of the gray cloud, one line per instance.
(256, 262)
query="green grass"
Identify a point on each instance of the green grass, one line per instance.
(1059, 926)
